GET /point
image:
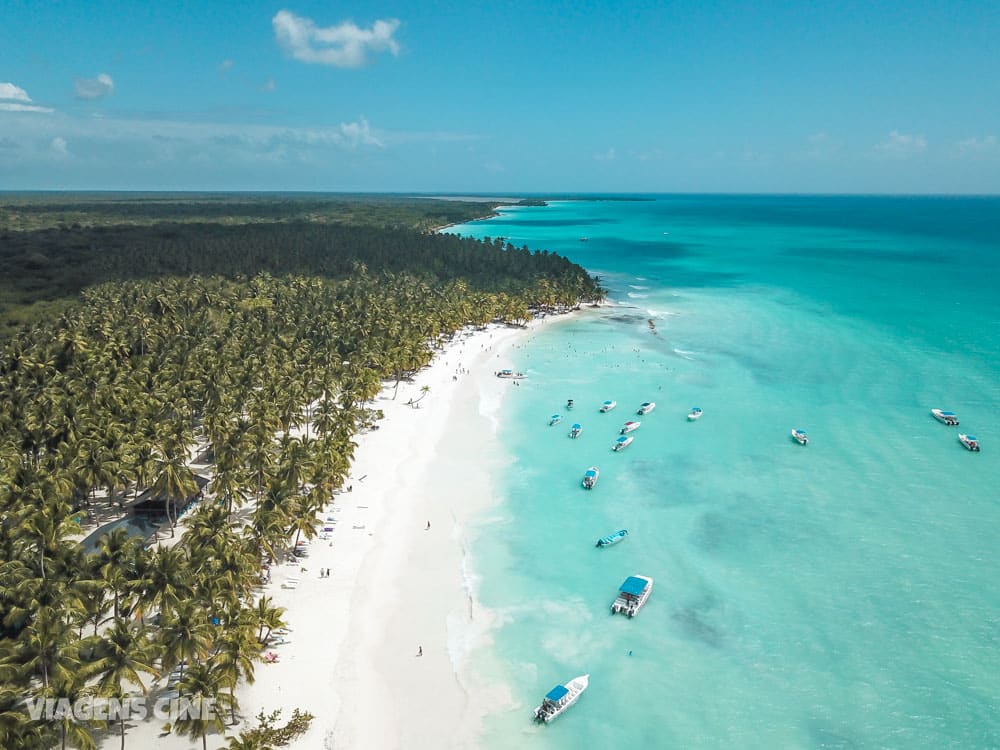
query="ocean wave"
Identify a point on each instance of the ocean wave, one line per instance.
(660, 313)
(640, 287)
(684, 354)
(635, 295)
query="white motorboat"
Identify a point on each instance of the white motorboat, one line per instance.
(694, 414)
(590, 477)
(608, 406)
(561, 697)
(646, 407)
(555, 419)
(949, 418)
(969, 441)
(799, 436)
(622, 443)
(575, 430)
(510, 374)
(632, 595)
(630, 426)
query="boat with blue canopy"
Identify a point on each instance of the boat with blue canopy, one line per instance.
(622, 443)
(949, 418)
(555, 419)
(632, 595)
(590, 477)
(694, 414)
(969, 441)
(561, 697)
(799, 436)
(607, 541)
(608, 406)
(575, 430)
(646, 407)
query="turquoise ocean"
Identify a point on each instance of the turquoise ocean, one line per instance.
(845, 594)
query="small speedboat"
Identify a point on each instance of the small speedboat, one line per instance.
(608, 406)
(622, 443)
(569, 404)
(510, 374)
(632, 595)
(575, 430)
(949, 418)
(561, 697)
(629, 426)
(590, 477)
(969, 441)
(799, 436)
(694, 414)
(646, 407)
(555, 419)
(607, 541)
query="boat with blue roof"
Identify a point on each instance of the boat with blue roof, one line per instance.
(971, 442)
(510, 374)
(607, 541)
(608, 406)
(590, 477)
(622, 443)
(645, 407)
(555, 419)
(632, 595)
(575, 430)
(694, 414)
(949, 418)
(799, 436)
(561, 697)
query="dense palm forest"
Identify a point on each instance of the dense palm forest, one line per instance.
(252, 351)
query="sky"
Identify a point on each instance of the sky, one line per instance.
(852, 96)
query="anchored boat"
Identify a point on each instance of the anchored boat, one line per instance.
(561, 697)
(608, 406)
(607, 541)
(510, 374)
(575, 430)
(694, 414)
(590, 477)
(629, 426)
(800, 437)
(555, 419)
(970, 442)
(622, 443)
(949, 418)
(646, 407)
(632, 595)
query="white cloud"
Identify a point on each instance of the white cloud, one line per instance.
(344, 45)
(268, 85)
(358, 133)
(94, 88)
(10, 91)
(16, 107)
(608, 155)
(225, 65)
(971, 146)
(901, 145)
(59, 147)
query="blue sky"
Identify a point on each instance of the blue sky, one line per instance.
(471, 96)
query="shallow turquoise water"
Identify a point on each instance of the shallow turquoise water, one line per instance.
(840, 595)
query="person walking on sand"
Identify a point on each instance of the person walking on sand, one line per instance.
(428, 526)
(420, 650)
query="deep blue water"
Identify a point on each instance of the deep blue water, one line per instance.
(838, 595)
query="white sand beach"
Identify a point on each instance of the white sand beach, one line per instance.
(396, 587)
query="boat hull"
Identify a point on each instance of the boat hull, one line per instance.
(610, 539)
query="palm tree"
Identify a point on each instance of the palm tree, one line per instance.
(123, 652)
(174, 482)
(184, 634)
(203, 687)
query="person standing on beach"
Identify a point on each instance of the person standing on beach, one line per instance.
(428, 526)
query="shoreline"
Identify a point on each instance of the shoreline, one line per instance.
(396, 586)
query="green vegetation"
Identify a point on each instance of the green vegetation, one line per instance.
(258, 347)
